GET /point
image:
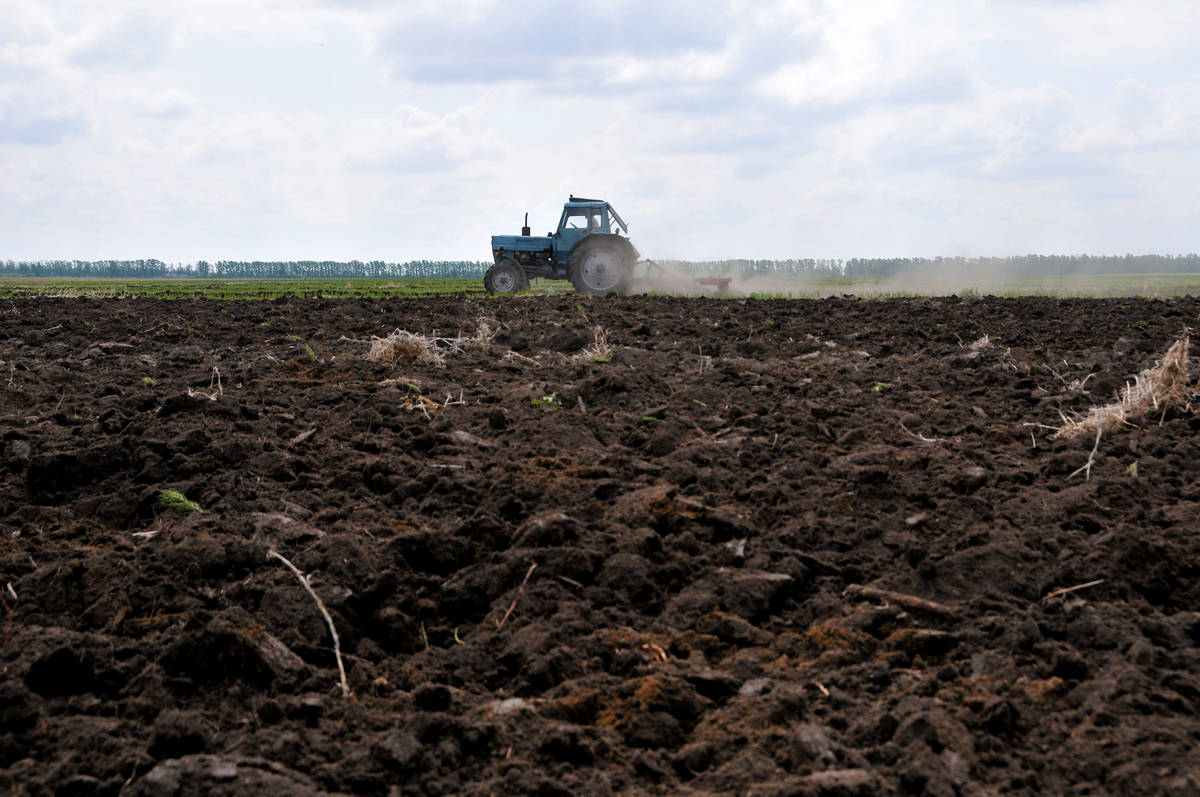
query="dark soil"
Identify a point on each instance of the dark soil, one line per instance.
(696, 505)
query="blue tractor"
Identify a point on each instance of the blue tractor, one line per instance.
(591, 248)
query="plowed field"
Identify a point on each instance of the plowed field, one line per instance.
(604, 546)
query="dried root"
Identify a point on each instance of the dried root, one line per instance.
(1156, 389)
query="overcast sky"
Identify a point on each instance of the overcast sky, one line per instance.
(341, 129)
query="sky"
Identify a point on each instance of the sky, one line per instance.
(352, 129)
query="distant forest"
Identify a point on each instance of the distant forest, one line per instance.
(378, 269)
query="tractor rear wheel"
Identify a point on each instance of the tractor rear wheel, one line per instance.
(505, 278)
(600, 267)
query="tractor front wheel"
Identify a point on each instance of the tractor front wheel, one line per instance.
(505, 278)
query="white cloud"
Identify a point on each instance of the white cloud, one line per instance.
(26, 119)
(571, 47)
(127, 40)
(158, 103)
(413, 141)
(1136, 116)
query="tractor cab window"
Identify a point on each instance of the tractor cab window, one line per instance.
(583, 219)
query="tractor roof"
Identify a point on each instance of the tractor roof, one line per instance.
(580, 202)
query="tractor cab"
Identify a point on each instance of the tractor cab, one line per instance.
(583, 217)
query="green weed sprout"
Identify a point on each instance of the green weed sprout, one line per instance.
(173, 499)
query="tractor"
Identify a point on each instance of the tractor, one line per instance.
(591, 248)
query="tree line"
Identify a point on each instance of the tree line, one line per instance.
(1024, 265)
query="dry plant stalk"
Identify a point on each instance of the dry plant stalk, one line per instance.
(598, 350)
(512, 355)
(337, 644)
(213, 393)
(485, 330)
(1072, 385)
(1068, 590)
(420, 403)
(1156, 389)
(1091, 460)
(520, 591)
(984, 342)
(900, 599)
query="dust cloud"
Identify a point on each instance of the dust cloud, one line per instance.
(669, 278)
(925, 278)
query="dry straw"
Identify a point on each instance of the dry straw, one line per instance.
(404, 346)
(1155, 390)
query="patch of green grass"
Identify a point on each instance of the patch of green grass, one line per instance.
(149, 381)
(117, 288)
(173, 499)
(879, 387)
(551, 401)
(606, 355)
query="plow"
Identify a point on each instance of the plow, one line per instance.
(590, 248)
(656, 277)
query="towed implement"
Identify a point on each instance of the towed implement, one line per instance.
(591, 248)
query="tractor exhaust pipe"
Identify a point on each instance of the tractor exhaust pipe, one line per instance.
(525, 229)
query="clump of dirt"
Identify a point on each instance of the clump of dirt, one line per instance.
(643, 548)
